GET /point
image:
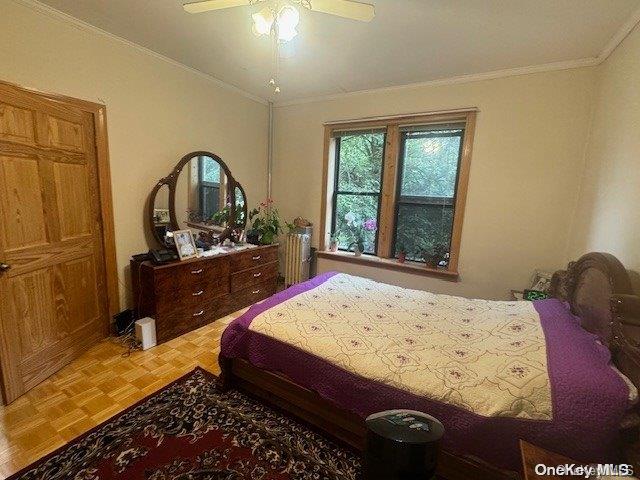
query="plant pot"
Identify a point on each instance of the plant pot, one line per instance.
(252, 237)
(402, 256)
(333, 246)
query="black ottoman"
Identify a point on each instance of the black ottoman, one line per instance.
(401, 445)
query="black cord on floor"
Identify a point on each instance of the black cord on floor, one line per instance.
(128, 340)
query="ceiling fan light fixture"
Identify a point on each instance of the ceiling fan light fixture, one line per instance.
(262, 22)
(288, 20)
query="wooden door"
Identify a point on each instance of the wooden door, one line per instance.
(53, 282)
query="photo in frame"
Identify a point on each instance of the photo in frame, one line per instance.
(185, 244)
(161, 215)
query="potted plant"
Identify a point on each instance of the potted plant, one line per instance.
(333, 242)
(434, 254)
(357, 230)
(358, 246)
(402, 253)
(266, 223)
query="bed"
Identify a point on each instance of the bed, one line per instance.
(337, 348)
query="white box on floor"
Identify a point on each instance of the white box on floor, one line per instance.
(146, 332)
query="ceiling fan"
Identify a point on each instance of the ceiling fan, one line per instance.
(279, 19)
(351, 9)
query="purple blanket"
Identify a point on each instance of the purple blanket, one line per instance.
(589, 397)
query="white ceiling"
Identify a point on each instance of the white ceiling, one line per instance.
(409, 41)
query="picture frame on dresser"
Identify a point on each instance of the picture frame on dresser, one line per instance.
(185, 244)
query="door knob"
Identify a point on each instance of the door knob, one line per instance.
(4, 267)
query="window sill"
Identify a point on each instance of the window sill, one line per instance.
(414, 268)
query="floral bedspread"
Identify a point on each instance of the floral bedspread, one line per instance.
(486, 357)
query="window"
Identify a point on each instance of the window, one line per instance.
(400, 184)
(428, 173)
(358, 180)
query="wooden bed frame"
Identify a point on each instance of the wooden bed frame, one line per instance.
(597, 287)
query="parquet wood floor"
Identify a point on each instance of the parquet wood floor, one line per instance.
(93, 388)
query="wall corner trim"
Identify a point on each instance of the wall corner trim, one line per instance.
(622, 33)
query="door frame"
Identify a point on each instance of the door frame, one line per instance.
(99, 112)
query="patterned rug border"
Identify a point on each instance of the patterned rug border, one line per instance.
(80, 437)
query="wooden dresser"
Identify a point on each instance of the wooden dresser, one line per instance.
(183, 296)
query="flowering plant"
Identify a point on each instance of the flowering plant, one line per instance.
(266, 222)
(357, 230)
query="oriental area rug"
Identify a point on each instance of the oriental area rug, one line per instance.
(191, 430)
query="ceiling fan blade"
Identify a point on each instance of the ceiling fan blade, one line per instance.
(363, 12)
(207, 5)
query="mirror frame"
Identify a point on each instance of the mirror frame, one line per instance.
(171, 181)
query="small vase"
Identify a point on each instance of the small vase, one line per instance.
(402, 256)
(333, 247)
(357, 250)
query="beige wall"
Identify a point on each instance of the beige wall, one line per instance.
(157, 111)
(607, 217)
(525, 172)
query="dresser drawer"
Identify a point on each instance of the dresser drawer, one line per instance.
(207, 279)
(253, 258)
(251, 295)
(188, 298)
(189, 317)
(253, 276)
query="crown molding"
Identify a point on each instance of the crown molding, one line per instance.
(57, 14)
(609, 48)
(474, 77)
(622, 33)
(613, 43)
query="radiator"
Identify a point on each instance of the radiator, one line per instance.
(297, 258)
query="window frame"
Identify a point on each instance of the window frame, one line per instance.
(336, 191)
(390, 188)
(398, 200)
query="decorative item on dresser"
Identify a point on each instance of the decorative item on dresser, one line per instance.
(183, 296)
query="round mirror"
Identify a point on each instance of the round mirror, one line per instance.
(199, 195)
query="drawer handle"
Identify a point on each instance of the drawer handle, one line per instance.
(197, 294)
(197, 272)
(199, 313)
(257, 257)
(256, 275)
(255, 292)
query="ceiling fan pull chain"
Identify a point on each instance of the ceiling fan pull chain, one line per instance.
(275, 58)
